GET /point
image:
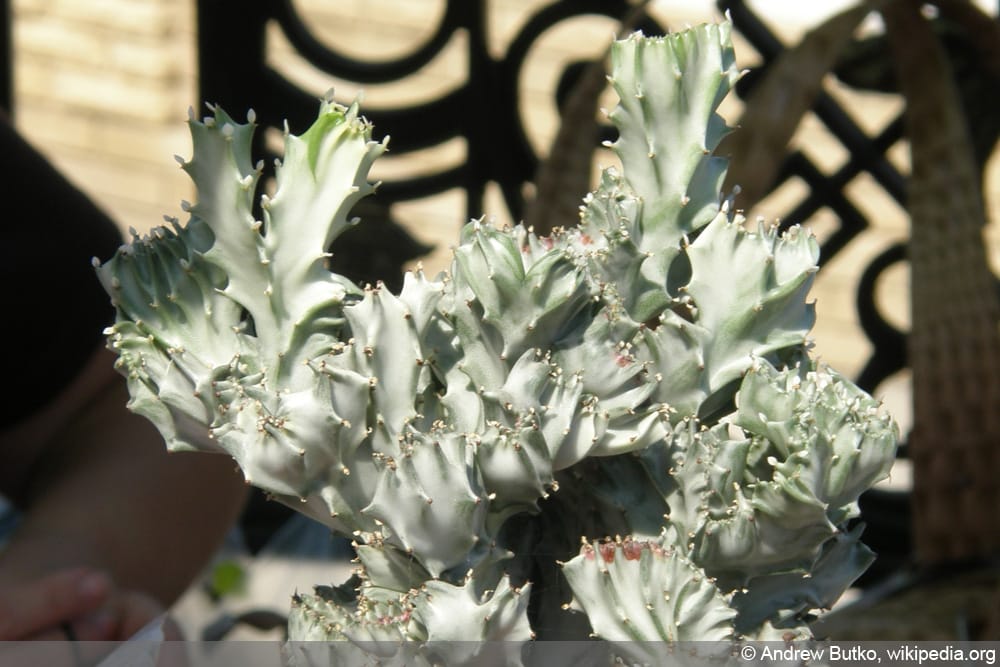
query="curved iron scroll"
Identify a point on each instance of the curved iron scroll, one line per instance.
(235, 75)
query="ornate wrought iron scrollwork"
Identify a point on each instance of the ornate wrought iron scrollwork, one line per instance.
(484, 110)
(498, 148)
(236, 75)
(890, 351)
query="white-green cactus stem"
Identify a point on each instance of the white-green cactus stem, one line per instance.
(644, 374)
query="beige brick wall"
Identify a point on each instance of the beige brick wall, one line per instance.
(102, 87)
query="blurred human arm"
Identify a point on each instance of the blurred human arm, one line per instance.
(99, 490)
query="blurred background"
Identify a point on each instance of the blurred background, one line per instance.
(102, 88)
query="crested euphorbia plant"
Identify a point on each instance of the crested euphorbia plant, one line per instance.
(614, 431)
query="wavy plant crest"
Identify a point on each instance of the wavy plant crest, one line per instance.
(640, 384)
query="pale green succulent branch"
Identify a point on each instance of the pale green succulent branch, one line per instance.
(640, 384)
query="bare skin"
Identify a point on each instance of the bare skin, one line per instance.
(115, 528)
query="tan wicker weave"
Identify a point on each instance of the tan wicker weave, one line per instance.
(954, 344)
